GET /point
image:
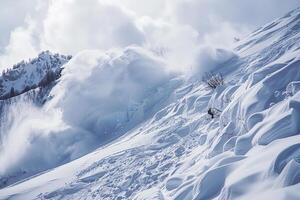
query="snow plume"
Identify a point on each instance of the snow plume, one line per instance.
(209, 59)
(71, 26)
(112, 89)
(174, 43)
(178, 27)
(25, 132)
(35, 139)
(99, 97)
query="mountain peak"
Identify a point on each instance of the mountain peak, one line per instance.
(27, 75)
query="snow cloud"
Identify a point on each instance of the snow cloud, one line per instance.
(100, 97)
(208, 15)
(175, 26)
(106, 86)
(71, 26)
(12, 15)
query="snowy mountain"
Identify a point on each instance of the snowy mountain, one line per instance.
(25, 76)
(121, 126)
(27, 81)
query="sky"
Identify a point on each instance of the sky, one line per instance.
(171, 27)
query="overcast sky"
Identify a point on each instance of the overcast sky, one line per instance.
(69, 26)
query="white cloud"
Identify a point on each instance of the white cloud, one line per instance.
(154, 8)
(71, 26)
(21, 46)
(207, 15)
(175, 43)
(12, 15)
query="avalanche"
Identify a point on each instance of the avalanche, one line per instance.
(155, 138)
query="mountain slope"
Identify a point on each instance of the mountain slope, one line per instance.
(25, 76)
(26, 82)
(250, 151)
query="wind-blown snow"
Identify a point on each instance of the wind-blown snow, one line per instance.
(99, 97)
(208, 59)
(113, 90)
(170, 148)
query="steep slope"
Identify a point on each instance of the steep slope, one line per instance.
(25, 76)
(28, 82)
(251, 151)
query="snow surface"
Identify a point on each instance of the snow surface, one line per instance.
(25, 76)
(155, 138)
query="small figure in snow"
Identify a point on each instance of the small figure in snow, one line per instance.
(211, 113)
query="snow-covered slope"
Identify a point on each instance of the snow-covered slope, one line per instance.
(26, 82)
(25, 76)
(250, 151)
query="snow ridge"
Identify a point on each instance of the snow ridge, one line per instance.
(26, 76)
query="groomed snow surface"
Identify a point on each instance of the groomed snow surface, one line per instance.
(148, 130)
